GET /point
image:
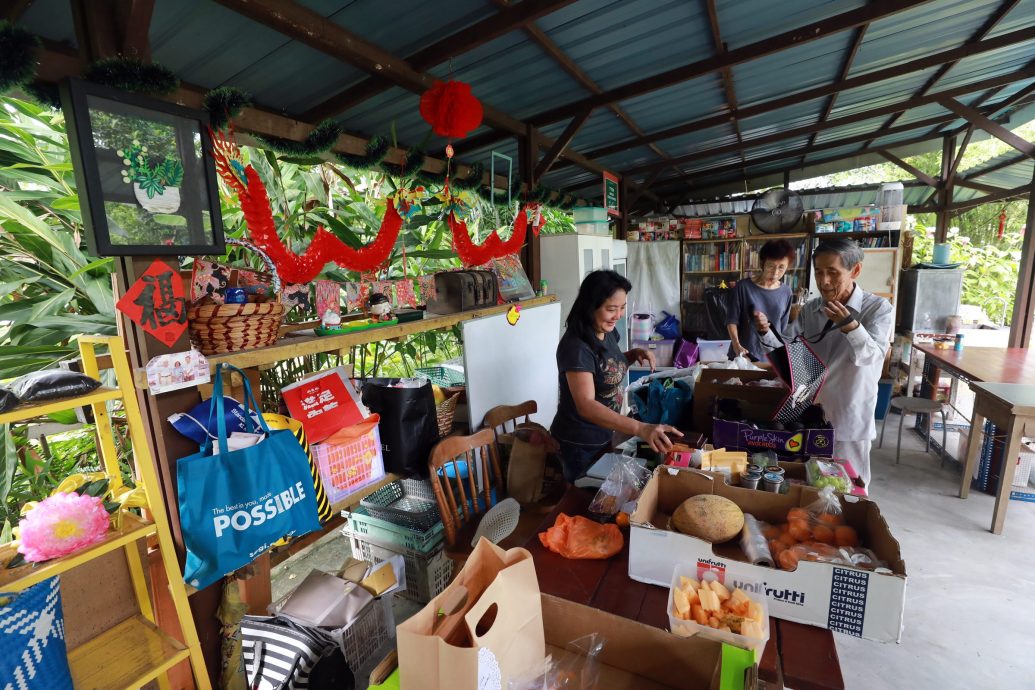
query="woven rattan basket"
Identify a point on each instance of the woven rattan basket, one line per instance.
(220, 328)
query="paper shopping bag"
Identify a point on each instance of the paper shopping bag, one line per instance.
(490, 628)
(524, 452)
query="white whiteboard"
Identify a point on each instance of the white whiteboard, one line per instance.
(507, 365)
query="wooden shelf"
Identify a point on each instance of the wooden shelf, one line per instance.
(789, 270)
(775, 236)
(124, 657)
(17, 579)
(710, 273)
(31, 410)
(291, 346)
(713, 240)
(868, 233)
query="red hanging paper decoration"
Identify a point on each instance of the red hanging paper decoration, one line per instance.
(493, 247)
(324, 248)
(451, 109)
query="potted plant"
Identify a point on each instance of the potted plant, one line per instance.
(156, 186)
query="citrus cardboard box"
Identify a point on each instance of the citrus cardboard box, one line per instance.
(637, 656)
(714, 383)
(842, 598)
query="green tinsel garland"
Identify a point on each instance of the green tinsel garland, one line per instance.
(320, 140)
(47, 94)
(473, 178)
(131, 74)
(18, 48)
(225, 103)
(376, 150)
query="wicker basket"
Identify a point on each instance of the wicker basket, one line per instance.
(446, 411)
(220, 328)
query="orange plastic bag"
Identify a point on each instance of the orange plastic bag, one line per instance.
(579, 537)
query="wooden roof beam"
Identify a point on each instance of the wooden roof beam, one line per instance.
(995, 43)
(951, 178)
(977, 119)
(1023, 190)
(841, 121)
(986, 28)
(726, 73)
(562, 143)
(511, 17)
(912, 170)
(846, 68)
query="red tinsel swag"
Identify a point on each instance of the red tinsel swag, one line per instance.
(450, 109)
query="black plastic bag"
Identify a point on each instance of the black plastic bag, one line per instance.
(409, 425)
(52, 384)
(8, 400)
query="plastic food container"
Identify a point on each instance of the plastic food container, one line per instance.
(593, 227)
(663, 350)
(714, 350)
(589, 214)
(687, 628)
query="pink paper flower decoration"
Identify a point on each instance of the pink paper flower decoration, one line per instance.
(60, 525)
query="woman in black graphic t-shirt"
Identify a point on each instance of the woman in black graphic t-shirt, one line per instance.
(591, 369)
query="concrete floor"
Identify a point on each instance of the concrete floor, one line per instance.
(970, 600)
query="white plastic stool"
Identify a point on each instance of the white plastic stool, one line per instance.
(914, 405)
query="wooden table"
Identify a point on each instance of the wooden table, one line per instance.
(1009, 406)
(798, 656)
(991, 364)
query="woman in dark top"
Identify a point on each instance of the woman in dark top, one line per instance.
(591, 370)
(764, 291)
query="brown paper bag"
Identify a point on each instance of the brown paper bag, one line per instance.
(490, 628)
(526, 461)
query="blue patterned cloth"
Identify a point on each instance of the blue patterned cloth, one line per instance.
(32, 639)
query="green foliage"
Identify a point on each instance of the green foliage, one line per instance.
(223, 104)
(991, 273)
(132, 74)
(19, 48)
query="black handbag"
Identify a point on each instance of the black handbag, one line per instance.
(798, 365)
(408, 426)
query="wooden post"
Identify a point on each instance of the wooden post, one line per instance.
(528, 154)
(1023, 305)
(624, 207)
(944, 194)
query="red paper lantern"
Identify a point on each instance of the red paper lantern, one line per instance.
(450, 109)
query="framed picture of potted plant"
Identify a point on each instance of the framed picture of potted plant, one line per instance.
(144, 172)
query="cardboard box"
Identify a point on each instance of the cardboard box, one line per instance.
(638, 656)
(842, 598)
(786, 444)
(712, 384)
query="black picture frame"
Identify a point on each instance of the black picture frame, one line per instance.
(125, 151)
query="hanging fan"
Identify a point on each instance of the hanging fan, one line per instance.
(777, 210)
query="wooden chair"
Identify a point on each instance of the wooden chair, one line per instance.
(503, 419)
(461, 501)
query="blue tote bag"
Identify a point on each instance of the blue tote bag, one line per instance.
(235, 504)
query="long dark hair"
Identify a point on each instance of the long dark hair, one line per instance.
(596, 289)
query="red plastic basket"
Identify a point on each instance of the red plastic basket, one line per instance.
(350, 459)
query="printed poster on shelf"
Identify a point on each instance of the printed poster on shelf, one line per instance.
(176, 370)
(324, 403)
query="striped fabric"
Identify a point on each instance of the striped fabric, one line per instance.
(32, 639)
(279, 421)
(279, 654)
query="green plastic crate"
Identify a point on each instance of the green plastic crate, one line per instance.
(442, 376)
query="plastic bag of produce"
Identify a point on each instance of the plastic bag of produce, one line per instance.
(825, 553)
(623, 484)
(581, 538)
(823, 473)
(575, 671)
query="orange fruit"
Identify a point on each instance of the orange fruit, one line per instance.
(845, 536)
(800, 531)
(771, 532)
(823, 533)
(788, 560)
(787, 540)
(622, 519)
(799, 513)
(775, 547)
(831, 519)
(784, 527)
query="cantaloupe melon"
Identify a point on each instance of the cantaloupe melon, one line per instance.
(712, 518)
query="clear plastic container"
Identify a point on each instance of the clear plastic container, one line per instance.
(714, 350)
(687, 628)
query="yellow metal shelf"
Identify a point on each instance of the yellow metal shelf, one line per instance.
(17, 579)
(31, 410)
(124, 657)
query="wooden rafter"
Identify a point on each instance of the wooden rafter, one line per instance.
(959, 156)
(867, 79)
(1023, 190)
(312, 29)
(985, 29)
(512, 16)
(977, 119)
(840, 122)
(912, 170)
(842, 76)
(561, 143)
(726, 73)
(794, 38)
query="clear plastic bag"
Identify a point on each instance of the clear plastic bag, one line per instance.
(823, 473)
(622, 486)
(577, 670)
(825, 553)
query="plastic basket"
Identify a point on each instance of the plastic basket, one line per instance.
(442, 376)
(366, 526)
(1024, 462)
(407, 502)
(347, 467)
(363, 641)
(426, 574)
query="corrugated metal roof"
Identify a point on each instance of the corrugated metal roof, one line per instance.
(616, 43)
